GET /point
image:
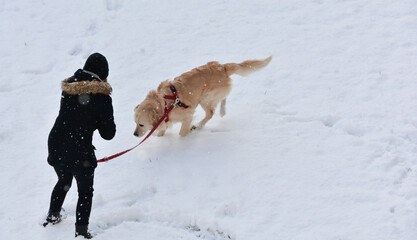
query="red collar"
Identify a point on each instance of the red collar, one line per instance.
(175, 98)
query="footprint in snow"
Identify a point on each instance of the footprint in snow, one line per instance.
(209, 233)
(76, 50)
(92, 28)
(354, 131)
(219, 130)
(141, 195)
(114, 5)
(330, 120)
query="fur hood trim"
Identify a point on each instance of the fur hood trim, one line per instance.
(75, 88)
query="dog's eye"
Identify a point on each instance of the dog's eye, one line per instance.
(140, 125)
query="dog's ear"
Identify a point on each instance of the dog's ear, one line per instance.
(136, 107)
(159, 88)
(162, 85)
(154, 116)
(151, 94)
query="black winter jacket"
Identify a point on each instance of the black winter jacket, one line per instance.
(86, 105)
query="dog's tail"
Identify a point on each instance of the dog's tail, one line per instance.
(246, 67)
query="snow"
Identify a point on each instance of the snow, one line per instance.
(320, 144)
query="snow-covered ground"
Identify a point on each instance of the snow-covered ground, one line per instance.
(321, 144)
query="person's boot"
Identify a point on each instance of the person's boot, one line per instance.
(82, 231)
(53, 218)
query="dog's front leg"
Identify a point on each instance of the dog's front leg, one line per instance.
(186, 126)
(161, 129)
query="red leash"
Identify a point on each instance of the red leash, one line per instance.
(165, 116)
(167, 110)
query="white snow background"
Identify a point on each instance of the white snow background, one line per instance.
(321, 144)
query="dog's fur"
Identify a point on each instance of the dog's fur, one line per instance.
(206, 86)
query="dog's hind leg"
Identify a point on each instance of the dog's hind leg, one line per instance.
(223, 108)
(209, 109)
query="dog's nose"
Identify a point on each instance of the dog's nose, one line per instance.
(136, 134)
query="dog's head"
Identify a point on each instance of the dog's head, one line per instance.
(143, 123)
(147, 113)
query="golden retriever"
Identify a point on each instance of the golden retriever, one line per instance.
(207, 86)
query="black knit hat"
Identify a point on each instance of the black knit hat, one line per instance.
(97, 63)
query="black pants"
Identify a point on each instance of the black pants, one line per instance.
(85, 181)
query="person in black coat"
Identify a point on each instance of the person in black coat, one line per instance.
(86, 105)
